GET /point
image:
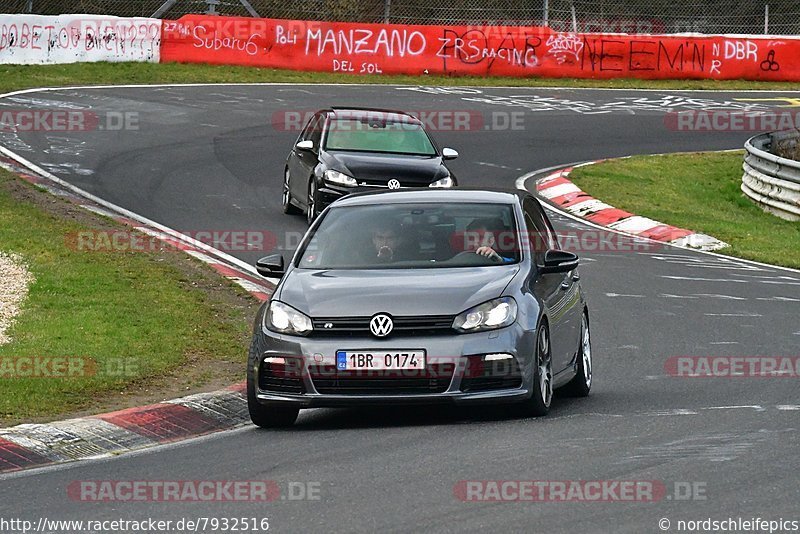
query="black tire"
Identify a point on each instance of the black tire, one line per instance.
(582, 383)
(311, 212)
(542, 395)
(286, 198)
(270, 415)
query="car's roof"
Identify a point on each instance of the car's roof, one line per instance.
(359, 112)
(459, 195)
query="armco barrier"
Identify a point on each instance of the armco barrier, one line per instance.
(771, 181)
(35, 39)
(475, 50)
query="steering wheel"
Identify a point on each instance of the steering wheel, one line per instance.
(473, 257)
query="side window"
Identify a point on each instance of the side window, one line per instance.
(541, 235)
(306, 133)
(315, 134)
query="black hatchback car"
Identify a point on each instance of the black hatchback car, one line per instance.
(342, 151)
(420, 297)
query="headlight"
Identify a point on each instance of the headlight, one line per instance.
(283, 318)
(336, 177)
(444, 182)
(490, 315)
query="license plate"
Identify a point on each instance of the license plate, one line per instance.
(380, 360)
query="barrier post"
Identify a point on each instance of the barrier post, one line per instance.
(546, 14)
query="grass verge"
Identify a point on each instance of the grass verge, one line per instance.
(155, 325)
(700, 192)
(15, 77)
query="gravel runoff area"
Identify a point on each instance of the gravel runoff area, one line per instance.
(14, 281)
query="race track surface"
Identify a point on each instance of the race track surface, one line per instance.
(211, 158)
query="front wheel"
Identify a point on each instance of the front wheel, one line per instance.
(582, 383)
(312, 212)
(286, 197)
(269, 415)
(542, 395)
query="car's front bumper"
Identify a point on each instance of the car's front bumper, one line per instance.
(456, 350)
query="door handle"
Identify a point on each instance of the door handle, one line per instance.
(565, 285)
(576, 277)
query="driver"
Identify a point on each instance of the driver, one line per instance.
(387, 242)
(479, 234)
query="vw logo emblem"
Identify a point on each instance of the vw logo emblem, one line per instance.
(394, 184)
(381, 325)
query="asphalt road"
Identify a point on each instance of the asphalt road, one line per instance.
(211, 158)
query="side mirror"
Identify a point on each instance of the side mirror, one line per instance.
(305, 145)
(271, 266)
(558, 261)
(449, 153)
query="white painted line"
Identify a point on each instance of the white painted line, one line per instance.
(724, 343)
(788, 407)
(251, 286)
(697, 279)
(200, 256)
(773, 277)
(674, 411)
(100, 211)
(669, 296)
(756, 407)
(778, 299)
(614, 295)
(733, 314)
(716, 296)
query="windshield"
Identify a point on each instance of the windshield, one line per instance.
(420, 235)
(400, 136)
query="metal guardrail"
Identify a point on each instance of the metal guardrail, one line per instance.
(771, 181)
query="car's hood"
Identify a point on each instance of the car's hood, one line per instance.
(351, 293)
(380, 168)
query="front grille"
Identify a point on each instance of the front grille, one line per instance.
(486, 376)
(434, 379)
(427, 325)
(282, 378)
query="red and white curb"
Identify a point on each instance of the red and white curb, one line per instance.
(558, 189)
(36, 445)
(110, 434)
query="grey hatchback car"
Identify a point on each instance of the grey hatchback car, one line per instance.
(420, 296)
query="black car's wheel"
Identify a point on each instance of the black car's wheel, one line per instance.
(542, 395)
(268, 415)
(286, 198)
(312, 212)
(582, 383)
